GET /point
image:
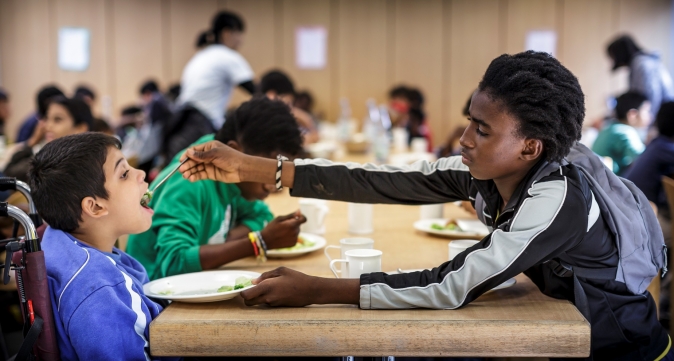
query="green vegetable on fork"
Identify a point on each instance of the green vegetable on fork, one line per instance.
(147, 197)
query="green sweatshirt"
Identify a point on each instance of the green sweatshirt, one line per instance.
(188, 216)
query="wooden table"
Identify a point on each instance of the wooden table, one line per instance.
(518, 321)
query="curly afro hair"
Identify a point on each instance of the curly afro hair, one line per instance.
(542, 95)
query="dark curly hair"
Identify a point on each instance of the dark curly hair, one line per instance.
(542, 95)
(263, 127)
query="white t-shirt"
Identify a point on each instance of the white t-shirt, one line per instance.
(208, 80)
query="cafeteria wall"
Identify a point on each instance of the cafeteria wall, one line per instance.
(441, 46)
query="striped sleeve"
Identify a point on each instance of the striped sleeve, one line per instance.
(551, 220)
(445, 180)
(95, 335)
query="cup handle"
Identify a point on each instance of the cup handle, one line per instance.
(332, 266)
(325, 250)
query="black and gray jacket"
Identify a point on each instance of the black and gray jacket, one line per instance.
(553, 219)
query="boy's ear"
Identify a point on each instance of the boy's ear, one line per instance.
(235, 145)
(93, 208)
(533, 148)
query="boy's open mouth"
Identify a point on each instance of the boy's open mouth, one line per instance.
(145, 200)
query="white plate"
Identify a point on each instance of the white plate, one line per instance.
(207, 282)
(509, 283)
(425, 225)
(318, 240)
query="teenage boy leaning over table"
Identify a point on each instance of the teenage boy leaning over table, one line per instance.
(525, 116)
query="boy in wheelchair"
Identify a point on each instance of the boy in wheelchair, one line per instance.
(89, 195)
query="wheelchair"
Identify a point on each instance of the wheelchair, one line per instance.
(26, 259)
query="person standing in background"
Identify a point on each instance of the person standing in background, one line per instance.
(207, 83)
(42, 100)
(204, 39)
(648, 75)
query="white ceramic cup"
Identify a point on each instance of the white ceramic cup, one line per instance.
(357, 262)
(400, 136)
(419, 145)
(315, 210)
(360, 218)
(431, 211)
(460, 245)
(347, 244)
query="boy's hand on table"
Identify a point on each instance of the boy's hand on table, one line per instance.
(280, 287)
(283, 231)
(214, 161)
(286, 287)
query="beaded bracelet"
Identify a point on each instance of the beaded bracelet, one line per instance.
(260, 252)
(262, 242)
(251, 237)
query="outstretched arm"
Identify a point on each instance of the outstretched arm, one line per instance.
(420, 183)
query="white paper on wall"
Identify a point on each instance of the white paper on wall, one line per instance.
(311, 47)
(73, 49)
(542, 40)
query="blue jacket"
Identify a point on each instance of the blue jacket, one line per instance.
(100, 310)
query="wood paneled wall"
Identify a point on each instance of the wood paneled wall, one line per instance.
(440, 46)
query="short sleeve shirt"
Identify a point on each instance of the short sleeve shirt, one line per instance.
(208, 80)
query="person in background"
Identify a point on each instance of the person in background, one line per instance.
(87, 95)
(415, 98)
(207, 83)
(620, 140)
(418, 128)
(275, 84)
(399, 104)
(64, 116)
(202, 226)
(157, 113)
(101, 126)
(406, 107)
(130, 121)
(304, 101)
(646, 173)
(172, 95)
(154, 103)
(5, 111)
(648, 75)
(204, 39)
(42, 100)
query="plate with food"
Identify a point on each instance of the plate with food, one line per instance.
(455, 228)
(199, 287)
(306, 243)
